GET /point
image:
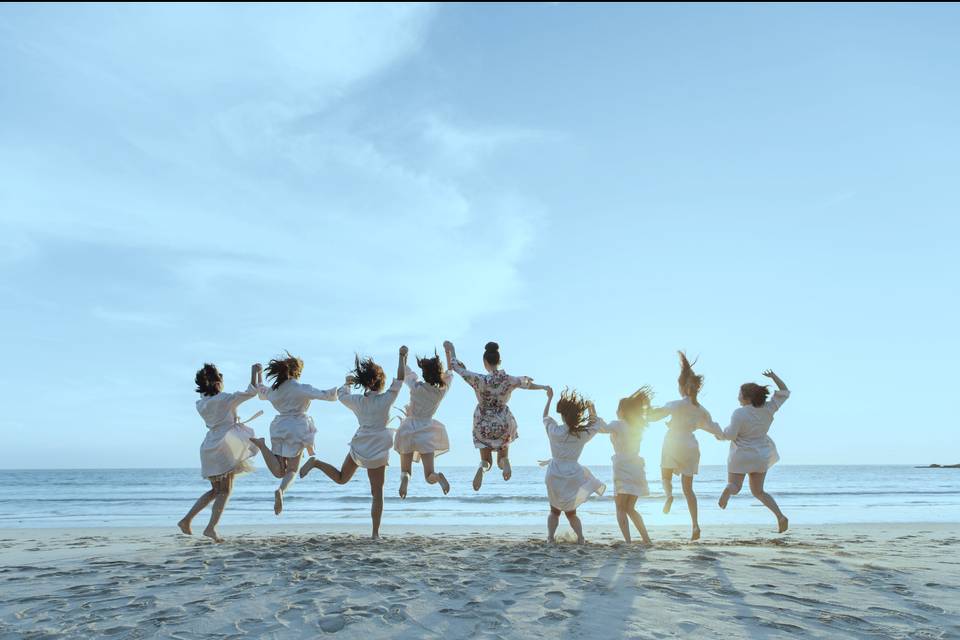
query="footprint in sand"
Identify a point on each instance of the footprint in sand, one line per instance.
(332, 624)
(554, 599)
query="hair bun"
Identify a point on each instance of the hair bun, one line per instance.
(492, 346)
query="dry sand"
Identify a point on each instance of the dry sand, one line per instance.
(899, 581)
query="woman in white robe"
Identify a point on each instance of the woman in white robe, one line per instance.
(226, 449)
(752, 451)
(629, 470)
(494, 426)
(681, 452)
(420, 437)
(569, 484)
(292, 430)
(371, 444)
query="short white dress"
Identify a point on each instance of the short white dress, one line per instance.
(680, 449)
(371, 444)
(629, 469)
(494, 426)
(227, 447)
(751, 449)
(569, 484)
(293, 430)
(419, 433)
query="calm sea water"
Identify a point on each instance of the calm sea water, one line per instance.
(152, 497)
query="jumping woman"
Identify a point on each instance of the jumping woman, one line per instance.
(226, 448)
(681, 452)
(371, 444)
(292, 430)
(629, 471)
(420, 438)
(752, 452)
(494, 426)
(569, 484)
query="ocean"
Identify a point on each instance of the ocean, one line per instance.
(159, 497)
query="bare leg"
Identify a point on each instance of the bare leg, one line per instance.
(197, 507)
(504, 462)
(553, 521)
(687, 483)
(289, 467)
(223, 488)
(376, 477)
(406, 466)
(341, 475)
(575, 524)
(269, 459)
(431, 476)
(734, 484)
(666, 476)
(621, 502)
(631, 509)
(486, 461)
(756, 488)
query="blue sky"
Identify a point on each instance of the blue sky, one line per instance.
(594, 187)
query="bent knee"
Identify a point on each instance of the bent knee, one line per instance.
(570, 514)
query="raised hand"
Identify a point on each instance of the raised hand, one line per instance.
(404, 351)
(447, 345)
(769, 373)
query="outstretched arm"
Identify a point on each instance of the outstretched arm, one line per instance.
(546, 409)
(776, 379)
(402, 366)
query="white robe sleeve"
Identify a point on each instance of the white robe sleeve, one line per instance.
(313, 393)
(730, 432)
(348, 399)
(262, 391)
(238, 398)
(779, 397)
(410, 378)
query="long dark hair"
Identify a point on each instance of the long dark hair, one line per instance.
(368, 374)
(209, 380)
(491, 354)
(283, 369)
(572, 407)
(432, 369)
(634, 407)
(689, 381)
(755, 393)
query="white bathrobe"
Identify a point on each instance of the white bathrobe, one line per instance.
(227, 446)
(419, 433)
(751, 449)
(293, 430)
(569, 484)
(371, 444)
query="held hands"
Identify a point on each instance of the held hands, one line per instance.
(350, 380)
(549, 390)
(256, 367)
(447, 346)
(404, 351)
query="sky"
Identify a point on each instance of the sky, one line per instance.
(592, 186)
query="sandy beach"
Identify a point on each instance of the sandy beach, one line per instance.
(897, 581)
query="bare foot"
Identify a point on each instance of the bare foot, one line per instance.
(211, 533)
(668, 504)
(478, 479)
(581, 541)
(724, 499)
(277, 501)
(442, 479)
(404, 481)
(185, 527)
(376, 537)
(551, 540)
(695, 535)
(784, 523)
(647, 542)
(504, 464)
(307, 466)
